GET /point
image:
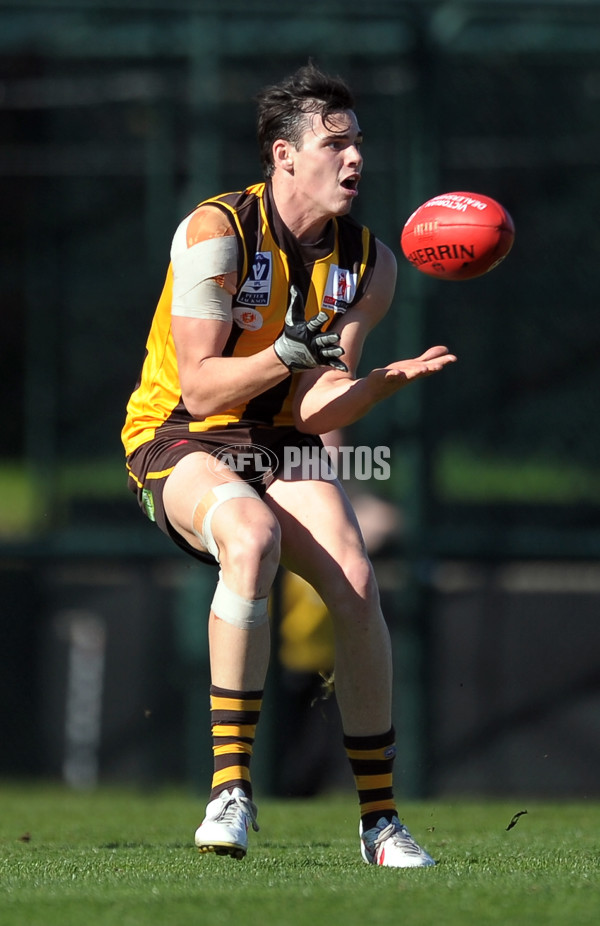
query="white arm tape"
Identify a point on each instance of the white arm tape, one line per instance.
(195, 292)
(207, 300)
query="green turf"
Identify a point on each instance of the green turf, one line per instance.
(121, 858)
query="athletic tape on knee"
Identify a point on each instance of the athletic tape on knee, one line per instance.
(196, 294)
(213, 498)
(245, 613)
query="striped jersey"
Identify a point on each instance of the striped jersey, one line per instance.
(331, 274)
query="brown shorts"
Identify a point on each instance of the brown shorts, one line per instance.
(256, 454)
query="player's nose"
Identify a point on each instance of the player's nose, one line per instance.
(354, 157)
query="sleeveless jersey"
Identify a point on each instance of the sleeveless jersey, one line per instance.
(331, 275)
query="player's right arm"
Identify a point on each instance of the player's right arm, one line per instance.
(201, 322)
(211, 383)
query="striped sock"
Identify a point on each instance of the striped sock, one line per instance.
(371, 759)
(233, 717)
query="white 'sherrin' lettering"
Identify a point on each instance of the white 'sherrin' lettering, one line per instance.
(340, 289)
(256, 288)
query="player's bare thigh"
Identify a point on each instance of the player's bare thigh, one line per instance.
(187, 498)
(321, 539)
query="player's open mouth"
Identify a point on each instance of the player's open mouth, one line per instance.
(351, 183)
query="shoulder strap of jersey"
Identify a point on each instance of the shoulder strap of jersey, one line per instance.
(241, 207)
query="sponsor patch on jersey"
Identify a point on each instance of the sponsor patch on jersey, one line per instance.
(246, 317)
(340, 289)
(256, 288)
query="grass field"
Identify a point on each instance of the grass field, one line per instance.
(126, 858)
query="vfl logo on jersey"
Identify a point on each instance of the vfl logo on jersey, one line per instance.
(340, 289)
(247, 318)
(256, 288)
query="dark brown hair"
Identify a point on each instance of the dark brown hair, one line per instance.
(283, 107)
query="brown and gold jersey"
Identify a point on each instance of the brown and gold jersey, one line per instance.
(331, 274)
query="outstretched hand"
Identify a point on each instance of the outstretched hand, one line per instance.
(394, 376)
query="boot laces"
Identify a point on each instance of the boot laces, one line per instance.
(233, 806)
(400, 835)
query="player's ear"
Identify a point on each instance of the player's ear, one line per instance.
(282, 155)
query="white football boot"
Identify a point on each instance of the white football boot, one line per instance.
(224, 829)
(391, 845)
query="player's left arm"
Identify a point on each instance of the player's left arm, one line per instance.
(326, 399)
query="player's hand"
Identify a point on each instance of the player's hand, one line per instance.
(302, 344)
(432, 361)
(387, 380)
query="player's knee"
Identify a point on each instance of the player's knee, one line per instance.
(232, 521)
(362, 577)
(253, 540)
(355, 581)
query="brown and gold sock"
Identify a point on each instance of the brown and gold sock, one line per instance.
(234, 716)
(371, 759)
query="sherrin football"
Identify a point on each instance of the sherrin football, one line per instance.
(458, 236)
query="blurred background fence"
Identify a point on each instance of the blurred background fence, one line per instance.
(116, 117)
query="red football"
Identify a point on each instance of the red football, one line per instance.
(458, 236)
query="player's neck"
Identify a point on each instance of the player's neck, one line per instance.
(302, 219)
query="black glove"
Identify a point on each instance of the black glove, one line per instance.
(302, 345)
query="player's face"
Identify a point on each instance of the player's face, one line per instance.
(328, 163)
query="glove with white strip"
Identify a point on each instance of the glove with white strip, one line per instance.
(302, 344)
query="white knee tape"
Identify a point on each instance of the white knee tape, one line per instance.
(244, 613)
(213, 498)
